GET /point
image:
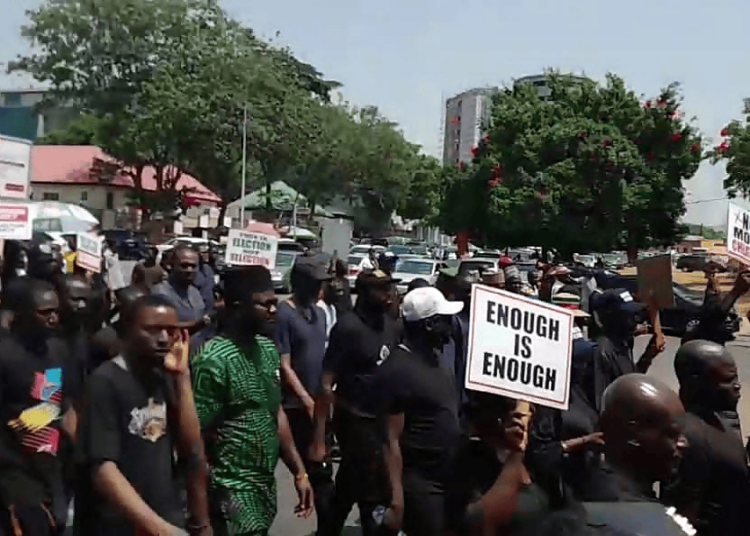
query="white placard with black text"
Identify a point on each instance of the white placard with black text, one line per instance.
(519, 347)
(738, 233)
(245, 249)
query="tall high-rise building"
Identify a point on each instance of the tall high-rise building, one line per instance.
(465, 117)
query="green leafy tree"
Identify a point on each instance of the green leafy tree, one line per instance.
(734, 152)
(591, 168)
(83, 130)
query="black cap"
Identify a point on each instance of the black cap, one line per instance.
(310, 268)
(614, 299)
(374, 278)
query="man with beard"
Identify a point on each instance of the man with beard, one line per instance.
(179, 288)
(711, 487)
(74, 293)
(205, 277)
(139, 411)
(619, 315)
(36, 390)
(238, 398)
(420, 404)
(360, 343)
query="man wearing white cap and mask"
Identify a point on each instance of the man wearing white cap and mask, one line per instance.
(419, 401)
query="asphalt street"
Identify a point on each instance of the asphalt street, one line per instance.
(663, 368)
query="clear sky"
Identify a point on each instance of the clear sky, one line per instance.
(405, 56)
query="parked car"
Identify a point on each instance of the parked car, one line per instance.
(189, 241)
(364, 249)
(478, 264)
(686, 309)
(692, 263)
(130, 245)
(280, 275)
(413, 268)
(354, 267)
(287, 244)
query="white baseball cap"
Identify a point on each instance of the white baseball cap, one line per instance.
(427, 302)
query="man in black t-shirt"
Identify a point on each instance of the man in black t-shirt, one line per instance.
(36, 386)
(420, 404)
(711, 486)
(359, 344)
(139, 408)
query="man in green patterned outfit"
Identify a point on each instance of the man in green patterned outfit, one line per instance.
(237, 395)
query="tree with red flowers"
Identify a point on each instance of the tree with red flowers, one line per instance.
(590, 169)
(734, 151)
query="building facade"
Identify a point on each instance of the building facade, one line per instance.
(22, 117)
(466, 116)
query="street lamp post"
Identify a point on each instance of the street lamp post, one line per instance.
(244, 166)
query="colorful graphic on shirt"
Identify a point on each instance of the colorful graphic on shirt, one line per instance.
(34, 423)
(149, 423)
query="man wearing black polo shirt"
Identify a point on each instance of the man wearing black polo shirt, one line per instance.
(36, 387)
(360, 342)
(419, 400)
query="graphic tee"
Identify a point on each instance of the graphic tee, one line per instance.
(125, 421)
(35, 388)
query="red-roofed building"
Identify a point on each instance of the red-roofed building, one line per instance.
(81, 175)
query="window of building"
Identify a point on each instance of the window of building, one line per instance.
(50, 196)
(12, 99)
(458, 104)
(110, 200)
(84, 197)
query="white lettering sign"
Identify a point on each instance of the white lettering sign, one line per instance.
(15, 221)
(519, 347)
(245, 249)
(738, 233)
(89, 252)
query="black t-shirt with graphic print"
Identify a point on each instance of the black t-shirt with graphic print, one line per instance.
(125, 421)
(36, 385)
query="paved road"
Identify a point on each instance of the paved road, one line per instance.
(663, 368)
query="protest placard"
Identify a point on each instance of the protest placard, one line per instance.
(519, 347)
(738, 233)
(246, 248)
(15, 221)
(89, 252)
(655, 275)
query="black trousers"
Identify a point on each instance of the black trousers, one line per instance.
(361, 476)
(28, 520)
(321, 475)
(424, 506)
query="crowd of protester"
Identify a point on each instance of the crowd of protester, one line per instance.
(162, 407)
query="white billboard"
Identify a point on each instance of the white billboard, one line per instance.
(15, 167)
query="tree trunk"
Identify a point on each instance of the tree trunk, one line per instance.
(222, 214)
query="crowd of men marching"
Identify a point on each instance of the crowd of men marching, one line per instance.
(163, 407)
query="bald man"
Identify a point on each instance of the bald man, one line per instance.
(711, 486)
(641, 419)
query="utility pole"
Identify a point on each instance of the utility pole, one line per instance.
(244, 166)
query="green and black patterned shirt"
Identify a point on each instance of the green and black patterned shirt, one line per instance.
(239, 388)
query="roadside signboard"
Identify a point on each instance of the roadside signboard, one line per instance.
(15, 167)
(89, 252)
(15, 221)
(655, 275)
(247, 248)
(519, 347)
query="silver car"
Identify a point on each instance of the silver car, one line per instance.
(411, 268)
(281, 274)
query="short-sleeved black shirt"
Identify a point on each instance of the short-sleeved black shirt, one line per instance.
(35, 389)
(357, 346)
(425, 393)
(612, 359)
(125, 421)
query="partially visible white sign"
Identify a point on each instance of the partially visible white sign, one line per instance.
(89, 252)
(15, 167)
(519, 347)
(15, 221)
(738, 233)
(245, 249)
